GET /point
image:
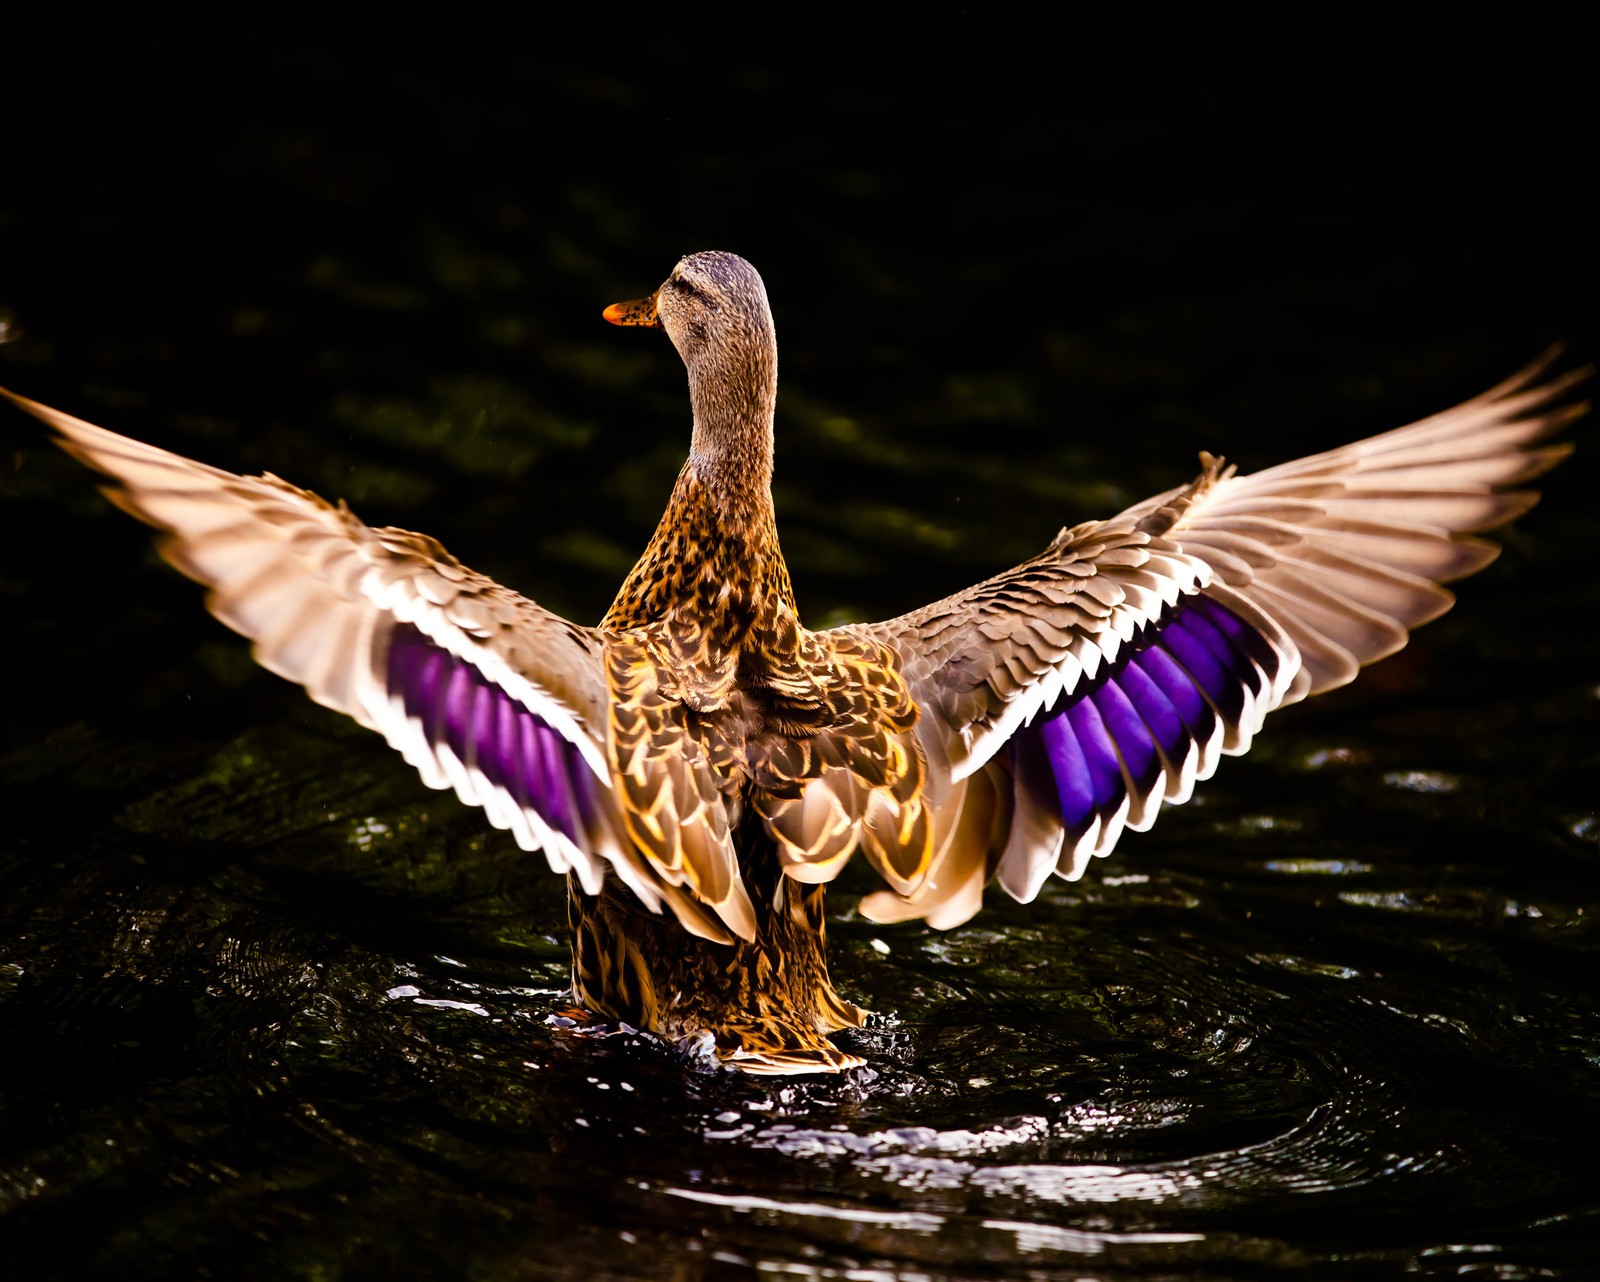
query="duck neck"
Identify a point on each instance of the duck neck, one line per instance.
(730, 451)
(715, 555)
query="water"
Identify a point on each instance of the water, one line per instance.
(269, 1008)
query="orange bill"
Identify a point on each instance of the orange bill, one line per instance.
(641, 311)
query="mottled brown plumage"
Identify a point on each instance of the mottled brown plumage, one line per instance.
(742, 746)
(700, 765)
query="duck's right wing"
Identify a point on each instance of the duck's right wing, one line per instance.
(480, 689)
(1067, 699)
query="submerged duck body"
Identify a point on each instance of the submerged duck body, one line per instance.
(700, 765)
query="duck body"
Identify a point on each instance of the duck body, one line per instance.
(700, 765)
(708, 662)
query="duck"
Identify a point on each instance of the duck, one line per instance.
(700, 766)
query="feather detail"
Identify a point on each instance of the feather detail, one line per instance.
(480, 689)
(1110, 673)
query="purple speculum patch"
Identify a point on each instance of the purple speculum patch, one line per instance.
(1167, 688)
(487, 729)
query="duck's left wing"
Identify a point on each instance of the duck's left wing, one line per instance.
(482, 690)
(1064, 700)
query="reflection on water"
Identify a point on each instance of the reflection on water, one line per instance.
(269, 1008)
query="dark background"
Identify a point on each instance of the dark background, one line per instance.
(1019, 280)
(1262, 234)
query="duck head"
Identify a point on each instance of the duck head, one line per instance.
(714, 309)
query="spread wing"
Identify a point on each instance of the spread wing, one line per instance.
(480, 689)
(1064, 700)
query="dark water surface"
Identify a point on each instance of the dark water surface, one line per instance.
(269, 1008)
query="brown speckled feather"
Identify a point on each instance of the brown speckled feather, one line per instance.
(751, 757)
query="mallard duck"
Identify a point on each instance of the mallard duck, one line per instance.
(700, 765)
